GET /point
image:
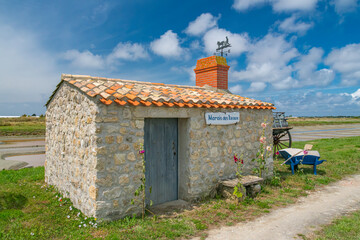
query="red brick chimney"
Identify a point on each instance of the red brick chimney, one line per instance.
(212, 71)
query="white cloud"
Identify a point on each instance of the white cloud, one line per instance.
(84, 59)
(242, 5)
(286, 83)
(27, 71)
(277, 5)
(268, 60)
(307, 69)
(239, 42)
(188, 70)
(346, 61)
(276, 61)
(343, 6)
(293, 5)
(122, 51)
(257, 87)
(293, 25)
(128, 51)
(168, 45)
(356, 95)
(195, 45)
(237, 89)
(313, 103)
(201, 24)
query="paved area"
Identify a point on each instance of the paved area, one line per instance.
(306, 133)
(13, 149)
(32, 160)
(304, 217)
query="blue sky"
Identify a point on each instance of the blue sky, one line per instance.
(303, 56)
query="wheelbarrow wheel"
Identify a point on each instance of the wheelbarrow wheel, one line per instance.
(282, 140)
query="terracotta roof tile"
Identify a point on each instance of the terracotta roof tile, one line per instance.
(105, 95)
(91, 93)
(136, 93)
(106, 102)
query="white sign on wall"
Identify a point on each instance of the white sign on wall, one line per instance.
(220, 118)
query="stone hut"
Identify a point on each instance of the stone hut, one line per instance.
(95, 127)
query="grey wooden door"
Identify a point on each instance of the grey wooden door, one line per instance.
(161, 159)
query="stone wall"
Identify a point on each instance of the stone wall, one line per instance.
(92, 150)
(71, 147)
(206, 152)
(212, 149)
(119, 166)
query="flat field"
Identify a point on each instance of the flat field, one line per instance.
(36, 125)
(22, 126)
(30, 209)
(312, 121)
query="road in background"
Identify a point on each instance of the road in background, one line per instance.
(19, 152)
(306, 133)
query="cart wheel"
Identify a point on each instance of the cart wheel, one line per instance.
(282, 140)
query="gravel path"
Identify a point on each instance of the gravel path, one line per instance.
(304, 217)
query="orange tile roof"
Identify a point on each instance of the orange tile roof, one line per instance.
(136, 93)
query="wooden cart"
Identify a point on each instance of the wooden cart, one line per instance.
(281, 133)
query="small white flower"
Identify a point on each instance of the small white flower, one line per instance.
(82, 222)
(79, 226)
(78, 214)
(85, 218)
(32, 234)
(84, 225)
(33, 196)
(70, 208)
(90, 223)
(60, 205)
(68, 216)
(56, 196)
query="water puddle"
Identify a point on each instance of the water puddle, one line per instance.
(33, 160)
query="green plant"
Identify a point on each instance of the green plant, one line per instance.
(141, 190)
(263, 153)
(239, 189)
(275, 180)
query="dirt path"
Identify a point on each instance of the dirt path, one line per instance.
(304, 217)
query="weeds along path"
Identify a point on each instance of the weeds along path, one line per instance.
(303, 217)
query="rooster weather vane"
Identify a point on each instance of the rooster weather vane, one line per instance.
(221, 46)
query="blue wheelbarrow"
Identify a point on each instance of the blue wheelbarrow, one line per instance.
(295, 156)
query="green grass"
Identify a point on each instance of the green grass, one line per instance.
(28, 206)
(307, 121)
(22, 126)
(346, 227)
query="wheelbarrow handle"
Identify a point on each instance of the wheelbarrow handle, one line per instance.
(292, 157)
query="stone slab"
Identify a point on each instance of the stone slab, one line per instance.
(245, 181)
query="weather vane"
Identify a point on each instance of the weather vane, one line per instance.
(221, 46)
